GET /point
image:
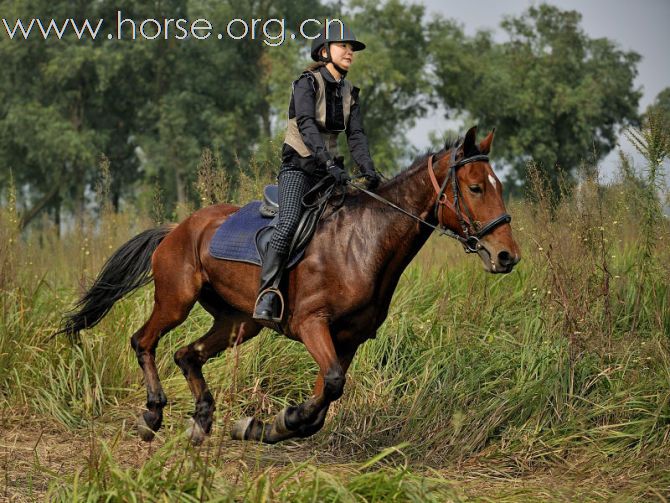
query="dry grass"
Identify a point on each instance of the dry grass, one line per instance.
(550, 383)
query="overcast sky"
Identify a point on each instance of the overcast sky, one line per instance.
(641, 26)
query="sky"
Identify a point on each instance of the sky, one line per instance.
(640, 26)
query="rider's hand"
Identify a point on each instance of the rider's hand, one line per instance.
(337, 172)
(372, 180)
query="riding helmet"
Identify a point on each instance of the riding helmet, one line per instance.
(334, 35)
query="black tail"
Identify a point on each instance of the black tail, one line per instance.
(126, 270)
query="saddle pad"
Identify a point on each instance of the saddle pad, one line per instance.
(235, 239)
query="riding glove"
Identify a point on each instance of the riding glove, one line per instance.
(337, 172)
(372, 179)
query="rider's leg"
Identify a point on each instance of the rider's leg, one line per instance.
(293, 184)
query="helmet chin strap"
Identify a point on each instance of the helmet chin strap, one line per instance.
(342, 71)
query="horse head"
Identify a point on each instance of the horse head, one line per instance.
(470, 204)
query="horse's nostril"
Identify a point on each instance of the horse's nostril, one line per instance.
(504, 258)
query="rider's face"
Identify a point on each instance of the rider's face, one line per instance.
(342, 54)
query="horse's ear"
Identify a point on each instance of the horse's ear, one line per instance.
(469, 142)
(485, 144)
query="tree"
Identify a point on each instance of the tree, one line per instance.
(65, 102)
(554, 94)
(212, 93)
(662, 105)
(49, 103)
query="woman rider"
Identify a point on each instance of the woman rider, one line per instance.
(323, 104)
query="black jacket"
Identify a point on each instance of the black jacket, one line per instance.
(303, 107)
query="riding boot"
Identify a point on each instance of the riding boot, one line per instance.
(267, 305)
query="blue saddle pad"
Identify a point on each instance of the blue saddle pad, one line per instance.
(235, 239)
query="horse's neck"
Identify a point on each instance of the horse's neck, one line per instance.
(412, 191)
(395, 238)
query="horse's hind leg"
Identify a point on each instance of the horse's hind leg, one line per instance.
(144, 341)
(176, 290)
(228, 330)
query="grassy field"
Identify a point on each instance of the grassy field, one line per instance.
(550, 383)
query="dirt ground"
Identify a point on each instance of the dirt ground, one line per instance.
(36, 451)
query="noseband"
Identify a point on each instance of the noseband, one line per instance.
(472, 229)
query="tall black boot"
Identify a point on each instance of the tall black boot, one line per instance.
(268, 302)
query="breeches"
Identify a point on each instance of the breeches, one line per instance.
(293, 185)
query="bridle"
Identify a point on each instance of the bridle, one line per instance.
(472, 229)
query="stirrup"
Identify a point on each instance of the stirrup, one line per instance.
(281, 300)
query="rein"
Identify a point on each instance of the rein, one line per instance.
(441, 230)
(472, 230)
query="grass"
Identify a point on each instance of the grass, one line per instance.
(550, 383)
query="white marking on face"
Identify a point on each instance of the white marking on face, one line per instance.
(493, 181)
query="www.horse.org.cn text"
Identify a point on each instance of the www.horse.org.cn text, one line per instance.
(271, 32)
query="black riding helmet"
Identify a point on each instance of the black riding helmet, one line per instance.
(335, 34)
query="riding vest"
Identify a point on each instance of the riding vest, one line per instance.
(331, 117)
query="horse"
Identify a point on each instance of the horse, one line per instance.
(337, 296)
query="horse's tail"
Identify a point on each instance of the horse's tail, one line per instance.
(126, 270)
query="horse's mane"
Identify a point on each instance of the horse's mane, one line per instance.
(355, 198)
(449, 143)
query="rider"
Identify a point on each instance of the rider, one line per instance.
(323, 104)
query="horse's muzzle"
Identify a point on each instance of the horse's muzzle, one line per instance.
(501, 262)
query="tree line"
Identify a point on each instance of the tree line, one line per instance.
(150, 107)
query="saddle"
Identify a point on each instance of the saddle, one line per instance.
(245, 235)
(313, 202)
(270, 204)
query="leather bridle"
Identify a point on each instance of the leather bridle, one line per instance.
(472, 229)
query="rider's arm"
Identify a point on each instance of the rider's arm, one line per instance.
(358, 142)
(304, 100)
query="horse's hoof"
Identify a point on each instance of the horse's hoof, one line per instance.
(195, 432)
(239, 430)
(143, 430)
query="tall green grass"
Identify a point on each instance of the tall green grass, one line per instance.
(563, 363)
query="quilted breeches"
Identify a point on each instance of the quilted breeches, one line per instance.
(293, 185)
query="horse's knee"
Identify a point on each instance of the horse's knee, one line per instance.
(142, 349)
(135, 343)
(333, 383)
(180, 355)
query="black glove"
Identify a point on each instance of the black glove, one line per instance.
(372, 180)
(337, 172)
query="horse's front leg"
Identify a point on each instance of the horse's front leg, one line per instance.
(308, 417)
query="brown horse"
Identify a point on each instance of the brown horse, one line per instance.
(337, 296)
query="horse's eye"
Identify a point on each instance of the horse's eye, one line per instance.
(476, 189)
